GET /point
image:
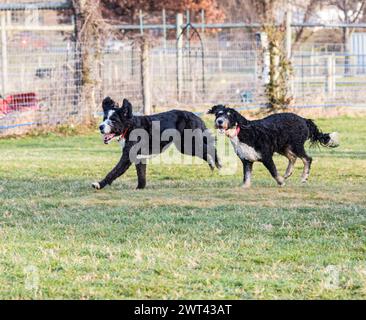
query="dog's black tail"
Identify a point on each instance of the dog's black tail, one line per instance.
(330, 140)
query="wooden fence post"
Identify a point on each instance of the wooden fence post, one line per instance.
(288, 32)
(4, 56)
(145, 76)
(290, 85)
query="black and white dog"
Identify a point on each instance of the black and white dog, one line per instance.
(258, 140)
(143, 136)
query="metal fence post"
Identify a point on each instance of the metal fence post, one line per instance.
(203, 22)
(4, 55)
(164, 29)
(334, 71)
(179, 49)
(162, 64)
(145, 76)
(312, 62)
(331, 75)
(354, 65)
(220, 60)
(141, 22)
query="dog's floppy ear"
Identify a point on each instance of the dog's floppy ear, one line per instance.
(238, 118)
(126, 109)
(216, 109)
(108, 104)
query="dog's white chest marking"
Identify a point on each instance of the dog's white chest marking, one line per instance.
(122, 142)
(244, 151)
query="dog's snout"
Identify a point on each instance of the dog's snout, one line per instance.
(101, 128)
(220, 121)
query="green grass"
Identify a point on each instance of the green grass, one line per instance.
(190, 234)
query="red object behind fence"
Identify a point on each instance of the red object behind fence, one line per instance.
(19, 102)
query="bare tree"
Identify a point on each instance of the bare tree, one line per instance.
(350, 11)
(269, 11)
(251, 10)
(128, 10)
(308, 9)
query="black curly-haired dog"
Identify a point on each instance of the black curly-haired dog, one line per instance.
(143, 136)
(258, 140)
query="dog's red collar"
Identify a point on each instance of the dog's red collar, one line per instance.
(232, 135)
(122, 136)
(237, 130)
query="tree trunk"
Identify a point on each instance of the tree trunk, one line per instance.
(90, 56)
(277, 89)
(347, 51)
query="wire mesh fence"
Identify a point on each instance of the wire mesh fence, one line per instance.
(41, 72)
(212, 73)
(42, 79)
(329, 78)
(46, 65)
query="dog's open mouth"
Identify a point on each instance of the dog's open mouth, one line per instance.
(221, 129)
(230, 132)
(108, 137)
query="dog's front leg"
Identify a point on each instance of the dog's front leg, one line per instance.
(270, 165)
(121, 167)
(247, 168)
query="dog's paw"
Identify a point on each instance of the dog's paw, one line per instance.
(280, 181)
(246, 185)
(218, 165)
(96, 185)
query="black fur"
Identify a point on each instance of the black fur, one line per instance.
(121, 121)
(315, 135)
(284, 133)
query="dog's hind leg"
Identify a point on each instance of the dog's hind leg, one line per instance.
(300, 152)
(270, 165)
(200, 149)
(141, 175)
(307, 165)
(210, 155)
(291, 163)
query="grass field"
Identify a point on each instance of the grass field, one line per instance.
(190, 234)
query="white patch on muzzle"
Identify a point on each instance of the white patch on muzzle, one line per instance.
(107, 127)
(107, 123)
